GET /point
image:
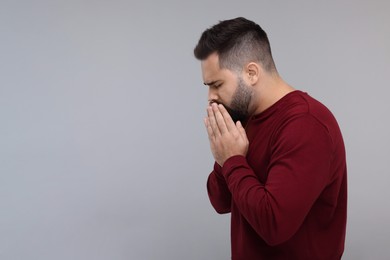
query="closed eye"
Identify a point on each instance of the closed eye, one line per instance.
(216, 86)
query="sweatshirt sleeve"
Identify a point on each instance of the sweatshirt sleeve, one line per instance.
(297, 174)
(219, 194)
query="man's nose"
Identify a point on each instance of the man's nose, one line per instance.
(212, 95)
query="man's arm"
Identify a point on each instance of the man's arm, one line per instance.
(218, 191)
(298, 173)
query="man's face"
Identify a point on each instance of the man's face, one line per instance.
(227, 88)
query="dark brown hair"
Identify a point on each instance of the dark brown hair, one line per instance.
(237, 42)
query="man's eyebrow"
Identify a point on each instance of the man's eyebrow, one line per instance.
(210, 83)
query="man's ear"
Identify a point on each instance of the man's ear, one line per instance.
(252, 73)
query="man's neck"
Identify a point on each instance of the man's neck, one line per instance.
(272, 89)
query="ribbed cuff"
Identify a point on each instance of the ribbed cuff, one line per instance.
(218, 171)
(232, 163)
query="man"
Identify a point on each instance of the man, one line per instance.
(280, 165)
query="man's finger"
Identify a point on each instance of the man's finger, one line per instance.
(228, 119)
(219, 119)
(212, 121)
(210, 132)
(241, 130)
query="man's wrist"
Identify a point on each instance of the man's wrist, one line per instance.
(231, 163)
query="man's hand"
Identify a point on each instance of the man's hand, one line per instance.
(226, 138)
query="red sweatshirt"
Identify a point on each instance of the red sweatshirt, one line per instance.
(288, 196)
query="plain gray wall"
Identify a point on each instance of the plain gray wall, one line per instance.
(103, 153)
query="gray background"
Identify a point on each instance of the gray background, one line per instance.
(103, 153)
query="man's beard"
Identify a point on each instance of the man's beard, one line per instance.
(241, 99)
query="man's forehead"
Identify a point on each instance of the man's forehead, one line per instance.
(210, 67)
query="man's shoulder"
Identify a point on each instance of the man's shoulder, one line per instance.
(305, 109)
(300, 103)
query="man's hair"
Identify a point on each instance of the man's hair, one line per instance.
(237, 42)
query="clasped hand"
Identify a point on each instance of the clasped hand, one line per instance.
(226, 138)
